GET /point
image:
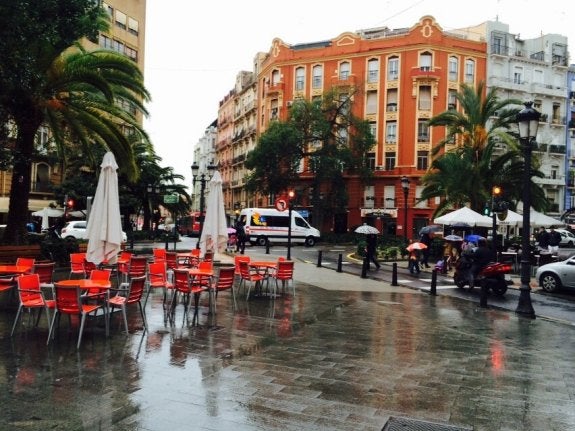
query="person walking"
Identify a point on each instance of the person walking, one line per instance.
(425, 239)
(371, 251)
(554, 241)
(240, 236)
(481, 256)
(543, 239)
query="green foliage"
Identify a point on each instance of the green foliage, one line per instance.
(58, 249)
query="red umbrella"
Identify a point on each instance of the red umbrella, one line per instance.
(416, 246)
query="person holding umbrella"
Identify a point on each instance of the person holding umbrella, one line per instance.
(371, 251)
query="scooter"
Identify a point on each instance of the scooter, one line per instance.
(491, 276)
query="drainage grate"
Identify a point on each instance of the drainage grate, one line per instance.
(406, 424)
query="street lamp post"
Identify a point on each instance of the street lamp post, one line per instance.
(405, 187)
(153, 190)
(528, 122)
(203, 179)
(291, 195)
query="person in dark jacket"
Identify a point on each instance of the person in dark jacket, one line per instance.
(554, 241)
(240, 235)
(425, 239)
(371, 251)
(480, 257)
(543, 239)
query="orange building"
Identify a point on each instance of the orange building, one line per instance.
(400, 78)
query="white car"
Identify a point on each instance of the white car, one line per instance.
(567, 238)
(77, 230)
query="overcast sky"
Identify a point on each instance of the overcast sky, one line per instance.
(195, 49)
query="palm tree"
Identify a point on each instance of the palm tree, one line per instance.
(467, 173)
(80, 96)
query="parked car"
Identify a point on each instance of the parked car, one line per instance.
(77, 230)
(567, 238)
(556, 275)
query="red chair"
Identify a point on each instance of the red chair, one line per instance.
(99, 274)
(26, 261)
(247, 275)
(224, 281)
(158, 279)
(77, 268)
(31, 298)
(183, 284)
(45, 271)
(70, 301)
(159, 253)
(237, 260)
(89, 267)
(136, 268)
(131, 294)
(284, 273)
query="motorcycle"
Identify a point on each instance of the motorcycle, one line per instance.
(492, 276)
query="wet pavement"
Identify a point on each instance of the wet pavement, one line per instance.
(344, 354)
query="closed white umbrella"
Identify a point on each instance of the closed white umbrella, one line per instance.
(104, 229)
(215, 231)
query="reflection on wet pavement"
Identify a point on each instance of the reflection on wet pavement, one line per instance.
(319, 360)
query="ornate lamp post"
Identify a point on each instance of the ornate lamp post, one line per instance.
(202, 178)
(405, 187)
(528, 122)
(291, 195)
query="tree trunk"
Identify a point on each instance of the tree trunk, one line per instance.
(15, 231)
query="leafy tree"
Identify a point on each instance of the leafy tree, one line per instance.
(78, 94)
(467, 173)
(332, 140)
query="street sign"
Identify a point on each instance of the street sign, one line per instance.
(281, 204)
(171, 199)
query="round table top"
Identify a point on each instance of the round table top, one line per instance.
(86, 283)
(14, 269)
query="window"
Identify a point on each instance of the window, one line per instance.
(344, 69)
(391, 105)
(393, 68)
(133, 26)
(469, 71)
(275, 77)
(422, 160)
(109, 9)
(132, 53)
(497, 45)
(118, 46)
(105, 42)
(424, 102)
(537, 104)
(389, 197)
(518, 75)
(556, 113)
(453, 68)
(299, 79)
(121, 19)
(317, 76)
(452, 99)
(389, 161)
(425, 61)
(373, 70)
(371, 161)
(373, 129)
(538, 76)
(422, 131)
(274, 109)
(345, 104)
(371, 102)
(391, 132)
(369, 197)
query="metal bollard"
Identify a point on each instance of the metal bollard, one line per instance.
(433, 287)
(319, 256)
(167, 242)
(394, 274)
(268, 247)
(339, 263)
(364, 267)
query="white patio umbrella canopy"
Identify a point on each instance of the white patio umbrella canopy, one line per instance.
(104, 229)
(46, 213)
(512, 219)
(538, 219)
(464, 215)
(215, 231)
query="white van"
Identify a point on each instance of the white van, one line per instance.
(263, 224)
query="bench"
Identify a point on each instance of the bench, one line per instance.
(9, 253)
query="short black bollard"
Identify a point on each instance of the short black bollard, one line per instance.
(394, 274)
(132, 243)
(483, 295)
(167, 239)
(319, 256)
(267, 247)
(364, 267)
(433, 287)
(340, 263)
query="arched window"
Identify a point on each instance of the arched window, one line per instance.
(469, 71)
(425, 61)
(317, 76)
(453, 68)
(299, 79)
(393, 68)
(344, 70)
(373, 70)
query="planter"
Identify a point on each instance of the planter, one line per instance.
(9, 253)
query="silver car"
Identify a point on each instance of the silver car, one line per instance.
(556, 275)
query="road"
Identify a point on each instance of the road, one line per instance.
(558, 307)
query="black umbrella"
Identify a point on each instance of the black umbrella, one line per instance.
(432, 228)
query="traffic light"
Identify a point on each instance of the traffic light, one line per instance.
(70, 204)
(487, 210)
(497, 191)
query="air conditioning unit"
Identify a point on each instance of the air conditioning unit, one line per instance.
(289, 103)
